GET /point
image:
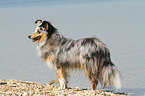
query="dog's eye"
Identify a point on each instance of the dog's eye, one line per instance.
(38, 32)
(41, 29)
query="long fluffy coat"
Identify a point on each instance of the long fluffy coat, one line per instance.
(63, 54)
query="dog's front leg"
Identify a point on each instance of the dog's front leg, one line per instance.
(62, 77)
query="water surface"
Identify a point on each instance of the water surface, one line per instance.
(119, 24)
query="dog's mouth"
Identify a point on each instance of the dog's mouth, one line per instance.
(36, 38)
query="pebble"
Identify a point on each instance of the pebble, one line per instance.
(14, 87)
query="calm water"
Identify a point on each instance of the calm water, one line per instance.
(119, 24)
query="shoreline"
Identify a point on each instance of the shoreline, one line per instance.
(25, 88)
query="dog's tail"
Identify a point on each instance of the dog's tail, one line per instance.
(109, 75)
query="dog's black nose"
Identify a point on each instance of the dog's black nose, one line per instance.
(29, 37)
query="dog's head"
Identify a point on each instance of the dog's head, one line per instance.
(44, 29)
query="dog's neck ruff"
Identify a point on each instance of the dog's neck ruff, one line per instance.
(40, 45)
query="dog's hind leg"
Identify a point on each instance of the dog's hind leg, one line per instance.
(94, 81)
(62, 76)
(93, 78)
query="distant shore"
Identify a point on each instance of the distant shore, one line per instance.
(14, 87)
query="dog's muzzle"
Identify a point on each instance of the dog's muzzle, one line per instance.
(34, 39)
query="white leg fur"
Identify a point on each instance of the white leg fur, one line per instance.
(63, 84)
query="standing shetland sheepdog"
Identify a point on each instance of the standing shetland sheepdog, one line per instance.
(64, 54)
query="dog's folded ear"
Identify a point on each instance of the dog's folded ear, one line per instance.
(38, 21)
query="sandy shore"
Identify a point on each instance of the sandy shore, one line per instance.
(21, 88)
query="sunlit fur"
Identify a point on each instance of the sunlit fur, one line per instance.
(64, 54)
